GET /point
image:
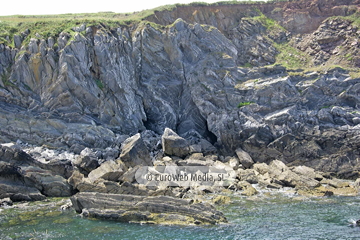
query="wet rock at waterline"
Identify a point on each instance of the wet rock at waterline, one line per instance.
(160, 210)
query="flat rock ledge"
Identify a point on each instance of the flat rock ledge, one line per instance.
(145, 210)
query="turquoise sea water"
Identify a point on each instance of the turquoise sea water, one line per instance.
(275, 217)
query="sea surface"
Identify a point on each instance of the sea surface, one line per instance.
(271, 216)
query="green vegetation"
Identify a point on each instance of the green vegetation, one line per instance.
(6, 81)
(48, 27)
(52, 25)
(269, 23)
(290, 57)
(354, 73)
(349, 56)
(354, 18)
(99, 83)
(325, 107)
(242, 104)
(220, 3)
(20, 53)
(247, 65)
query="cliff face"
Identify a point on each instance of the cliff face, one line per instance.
(300, 16)
(210, 72)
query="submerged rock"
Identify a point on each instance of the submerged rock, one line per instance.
(138, 209)
(221, 200)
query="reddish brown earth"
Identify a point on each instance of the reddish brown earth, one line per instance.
(302, 16)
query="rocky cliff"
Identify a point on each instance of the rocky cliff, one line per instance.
(279, 80)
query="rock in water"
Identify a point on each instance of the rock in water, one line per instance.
(141, 209)
(174, 145)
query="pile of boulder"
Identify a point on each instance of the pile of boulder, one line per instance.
(94, 182)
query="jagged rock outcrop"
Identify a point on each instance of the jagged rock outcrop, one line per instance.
(299, 16)
(137, 209)
(23, 178)
(204, 74)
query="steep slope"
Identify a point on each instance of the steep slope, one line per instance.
(209, 72)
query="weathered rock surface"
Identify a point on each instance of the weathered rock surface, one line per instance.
(22, 178)
(299, 16)
(86, 162)
(174, 145)
(245, 159)
(134, 152)
(109, 170)
(205, 70)
(160, 209)
(304, 180)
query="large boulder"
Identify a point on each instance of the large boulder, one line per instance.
(134, 152)
(86, 161)
(48, 184)
(245, 159)
(141, 209)
(109, 170)
(83, 184)
(292, 179)
(248, 175)
(174, 145)
(18, 192)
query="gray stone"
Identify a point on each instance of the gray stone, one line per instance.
(5, 202)
(17, 41)
(233, 163)
(244, 158)
(134, 152)
(248, 175)
(109, 170)
(86, 163)
(129, 175)
(174, 145)
(158, 209)
(48, 184)
(305, 171)
(80, 29)
(91, 88)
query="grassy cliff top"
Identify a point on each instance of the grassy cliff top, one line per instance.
(53, 25)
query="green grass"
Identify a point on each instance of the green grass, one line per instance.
(354, 73)
(46, 27)
(6, 81)
(243, 104)
(269, 23)
(290, 57)
(99, 83)
(326, 107)
(354, 18)
(52, 25)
